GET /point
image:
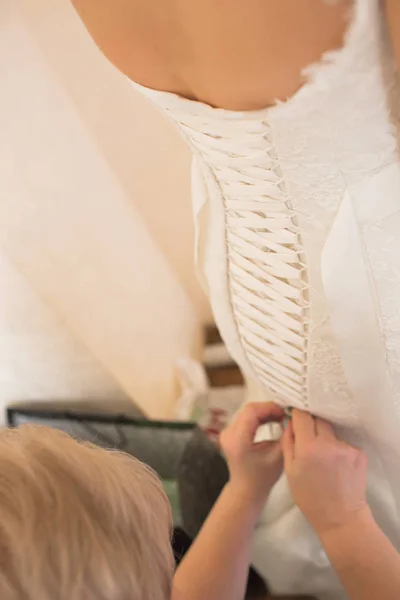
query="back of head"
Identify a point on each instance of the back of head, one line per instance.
(78, 522)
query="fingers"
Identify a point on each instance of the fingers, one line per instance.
(324, 429)
(266, 412)
(307, 428)
(249, 419)
(287, 443)
(303, 427)
(274, 454)
(271, 454)
(274, 449)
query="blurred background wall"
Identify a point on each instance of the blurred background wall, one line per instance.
(98, 290)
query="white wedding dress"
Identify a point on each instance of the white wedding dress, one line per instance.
(297, 210)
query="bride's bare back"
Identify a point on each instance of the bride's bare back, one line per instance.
(239, 54)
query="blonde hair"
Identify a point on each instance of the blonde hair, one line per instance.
(79, 523)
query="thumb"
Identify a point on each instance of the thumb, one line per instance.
(287, 443)
(275, 451)
(271, 452)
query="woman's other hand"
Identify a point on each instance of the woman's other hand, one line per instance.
(328, 478)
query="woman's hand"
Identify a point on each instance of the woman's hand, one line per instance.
(328, 478)
(254, 467)
(217, 564)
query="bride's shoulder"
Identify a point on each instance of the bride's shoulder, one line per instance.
(392, 10)
(239, 54)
